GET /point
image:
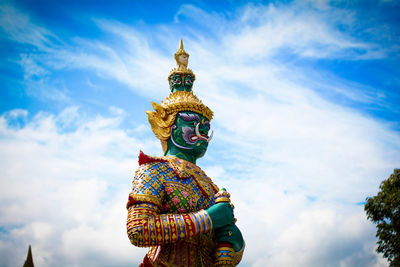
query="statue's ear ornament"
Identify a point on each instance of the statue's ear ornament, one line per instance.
(160, 110)
(180, 99)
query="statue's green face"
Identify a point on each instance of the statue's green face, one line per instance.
(181, 82)
(190, 134)
(188, 82)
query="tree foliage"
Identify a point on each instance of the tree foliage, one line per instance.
(384, 210)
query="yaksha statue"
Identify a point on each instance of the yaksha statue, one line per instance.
(174, 207)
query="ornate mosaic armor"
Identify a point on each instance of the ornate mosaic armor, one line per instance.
(166, 211)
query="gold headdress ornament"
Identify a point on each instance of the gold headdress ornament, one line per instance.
(181, 51)
(180, 99)
(182, 59)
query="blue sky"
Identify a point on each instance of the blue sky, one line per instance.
(306, 102)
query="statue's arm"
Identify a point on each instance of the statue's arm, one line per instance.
(146, 227)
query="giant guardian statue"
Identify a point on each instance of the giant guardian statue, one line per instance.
(174, 208)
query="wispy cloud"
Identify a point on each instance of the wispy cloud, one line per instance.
(300, 29)
(18, 27)
(64, 191)
(251, 40)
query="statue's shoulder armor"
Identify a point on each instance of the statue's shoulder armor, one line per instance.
(149, 179)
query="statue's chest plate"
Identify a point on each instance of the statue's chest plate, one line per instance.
(189, 190)
(184, 196)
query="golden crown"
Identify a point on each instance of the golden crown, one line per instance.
(183, 99)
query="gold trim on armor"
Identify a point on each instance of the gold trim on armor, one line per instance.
(146, 199)
(222, 199)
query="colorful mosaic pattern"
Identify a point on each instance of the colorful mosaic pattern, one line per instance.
(174, 185)
(185, 169)
(224, 256)
(147, 228)
(177, 198)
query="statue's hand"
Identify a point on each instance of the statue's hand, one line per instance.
(221, 214)
(230, 234)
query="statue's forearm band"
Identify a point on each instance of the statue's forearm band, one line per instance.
(148, 228)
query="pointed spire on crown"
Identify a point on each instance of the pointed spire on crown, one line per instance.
(181, 57)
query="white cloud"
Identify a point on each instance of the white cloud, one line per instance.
(336, 237)
(303, 29)
(65, 192)
(19, 27)
(288, 229)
